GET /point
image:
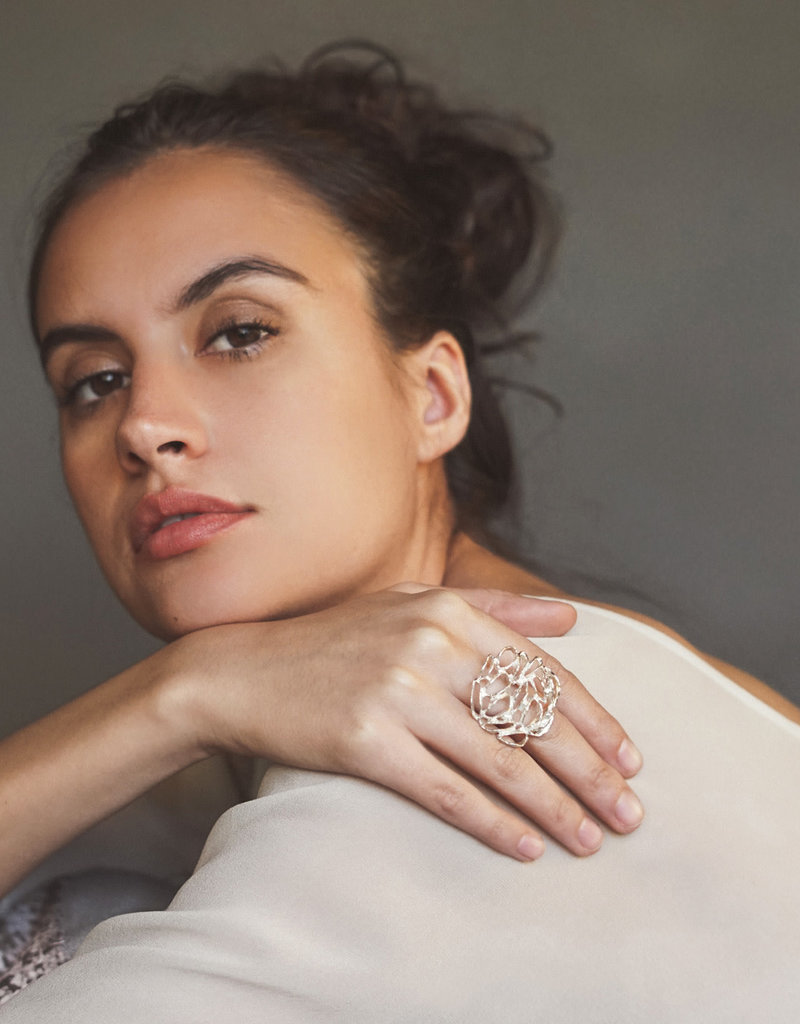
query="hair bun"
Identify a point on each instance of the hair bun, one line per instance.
(475, 177)
(478, 175)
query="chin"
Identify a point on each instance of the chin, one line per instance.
(170, 620)
(210, 588)
(176, 611)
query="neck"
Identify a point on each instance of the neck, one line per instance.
(429, 545)
(471, 565)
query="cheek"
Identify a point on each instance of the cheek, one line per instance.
(83, 480)
(331, 464)
(89, 472)
(358, 436)
(329, 422)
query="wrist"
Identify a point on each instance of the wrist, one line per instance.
(173, 708)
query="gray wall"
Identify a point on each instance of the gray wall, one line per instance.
(670, 330)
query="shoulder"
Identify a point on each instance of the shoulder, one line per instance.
(469, 564)
(737, 675)
(472, 565)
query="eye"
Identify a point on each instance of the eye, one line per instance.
(92, 389)
(241, 339)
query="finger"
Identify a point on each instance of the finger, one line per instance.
(484, 633)
(406, 766)
(446, 726)
(527, 616)
(565, 754)
(600, 729)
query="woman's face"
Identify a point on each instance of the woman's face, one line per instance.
(237, 438)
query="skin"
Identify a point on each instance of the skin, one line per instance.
(470, 564)
(351, 499)
(275, 390)
(332, 442)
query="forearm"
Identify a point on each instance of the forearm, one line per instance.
(374, 687)
(79, 764)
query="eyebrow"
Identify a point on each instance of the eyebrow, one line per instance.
(232, 270)
(72, 332)
(202, 288)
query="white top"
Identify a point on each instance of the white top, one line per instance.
(330, 899)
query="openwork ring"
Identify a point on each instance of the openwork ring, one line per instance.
(515, 697)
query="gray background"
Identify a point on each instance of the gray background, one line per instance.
(670, 329)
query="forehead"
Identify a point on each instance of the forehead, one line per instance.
(149, 232)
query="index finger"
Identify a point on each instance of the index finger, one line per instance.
(528, 616)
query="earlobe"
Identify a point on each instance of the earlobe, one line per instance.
(445, 396)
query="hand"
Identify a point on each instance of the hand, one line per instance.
(378, 686)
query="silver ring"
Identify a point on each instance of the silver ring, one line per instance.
(515, 697)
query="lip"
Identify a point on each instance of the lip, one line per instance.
(209, 516)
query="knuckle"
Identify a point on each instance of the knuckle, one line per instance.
(446, 605)
(509, 762)
(497, 833)
(450, 801)
(361, 744)
(562, 814)
(400, 682)
(430, 640)
(399, 690)
(601, 778)
(405, 587)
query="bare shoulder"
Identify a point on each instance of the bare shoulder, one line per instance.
(471, 565)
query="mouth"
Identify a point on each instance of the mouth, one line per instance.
(175, 521)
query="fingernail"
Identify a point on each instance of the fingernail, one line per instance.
(590, 834)
(628, 757)
(628, 810)
(530, 847)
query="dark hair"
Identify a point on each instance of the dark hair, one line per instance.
(445, 207)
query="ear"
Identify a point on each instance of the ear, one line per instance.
(442, 395)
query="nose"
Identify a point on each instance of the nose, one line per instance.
(163, 421)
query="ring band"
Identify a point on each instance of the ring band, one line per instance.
(515, 700)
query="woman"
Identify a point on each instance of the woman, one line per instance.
(257, 309)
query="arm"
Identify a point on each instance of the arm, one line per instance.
(374, 687)
(65, 772)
